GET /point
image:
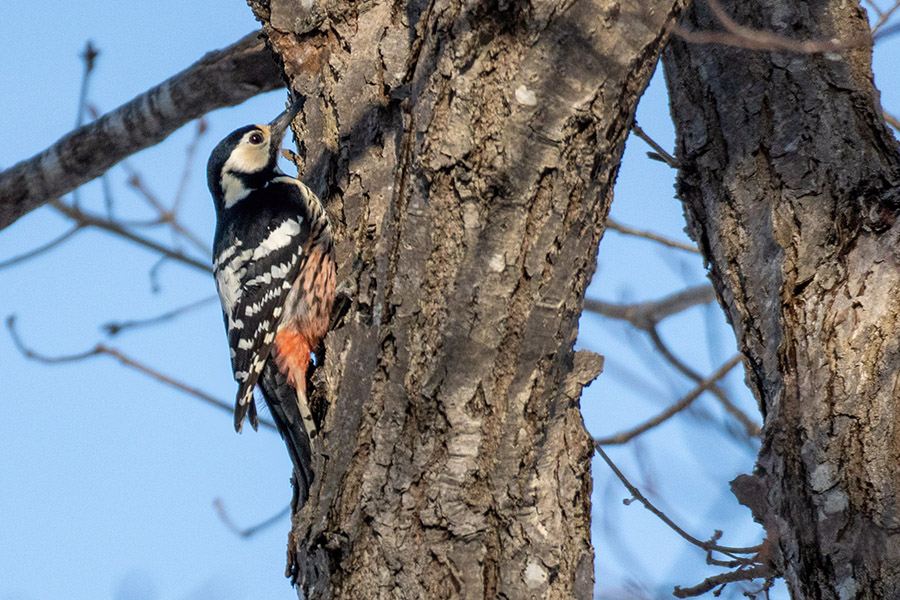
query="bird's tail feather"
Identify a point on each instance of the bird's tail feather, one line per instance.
(282, 400)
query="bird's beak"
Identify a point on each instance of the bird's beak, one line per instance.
(280, 125)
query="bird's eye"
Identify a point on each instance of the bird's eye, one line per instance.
(256, 138)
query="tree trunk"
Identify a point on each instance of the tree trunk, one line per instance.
(466, 152)
(790, 181)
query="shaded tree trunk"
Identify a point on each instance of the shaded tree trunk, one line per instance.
(790, 184)
(466, 152)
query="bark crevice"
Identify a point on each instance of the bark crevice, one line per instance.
(470, 158)
(789, 186)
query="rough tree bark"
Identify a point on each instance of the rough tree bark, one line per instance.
(790, 184)
(466, 152)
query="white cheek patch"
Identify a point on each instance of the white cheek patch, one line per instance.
(233, 189)
(245, 158)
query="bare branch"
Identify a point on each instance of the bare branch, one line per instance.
(723, 579)
(645, 315)
(84, 219)
(221, 78)
(886, 32)
(249, 531)
(750, 427)
(190, 153)
(710, 545)
(89, 56)
(136, 182)
(626, 230)
(660, 151)
(116, 327)
(754, 39)
(706, 384)
(40, 249)
(874, 6)
(883, 18)
(103, 350)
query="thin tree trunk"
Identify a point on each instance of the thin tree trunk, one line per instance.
(790, 183)
(466, 152)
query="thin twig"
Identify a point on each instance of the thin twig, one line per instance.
(645, 316)
(116, 327)
(103, 350)
(751, 428)
(136, 182)
(747, 573)
(883, 18)
(626, 436)
(708, 545)
(248, 532)
(754, 39)
(660, 151)
(874, 6)
(89, 56)
(41, 249)
(886, 32)
(85, 219)
(642, 233)
(188, 163)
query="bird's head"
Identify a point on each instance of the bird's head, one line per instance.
(246, 159)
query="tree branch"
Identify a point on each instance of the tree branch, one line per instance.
(84, 219)
(723, 579)
(221, 78)
(883, 17)
(645, 315)
(42, 248)
(655, 237)
(103, 350)
(219, 505)
(625, 436)
(755, 39)
(116, 327)
(709, 546)
(750, 428)
(661, 154)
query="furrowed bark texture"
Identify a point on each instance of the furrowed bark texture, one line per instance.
(467, 152)
(789, 183)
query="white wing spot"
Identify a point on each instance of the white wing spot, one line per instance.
(278, 238)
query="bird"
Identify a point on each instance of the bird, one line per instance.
(275, 270)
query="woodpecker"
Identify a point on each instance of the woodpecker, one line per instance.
(274, 265)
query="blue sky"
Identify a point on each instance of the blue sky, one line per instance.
(107, 478)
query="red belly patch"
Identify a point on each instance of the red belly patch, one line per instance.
(292, 350)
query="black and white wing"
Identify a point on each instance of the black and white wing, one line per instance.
(254, 276)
